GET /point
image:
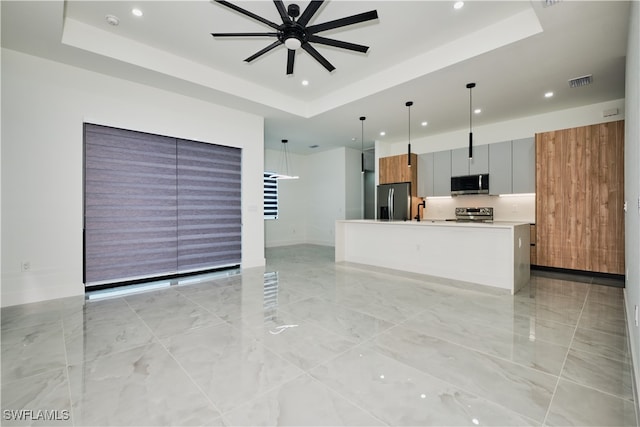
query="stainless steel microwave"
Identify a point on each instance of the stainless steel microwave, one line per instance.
(470, 184)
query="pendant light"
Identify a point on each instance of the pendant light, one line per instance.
(409, 104)
(362, 119)
(470, 86)
(284, 163)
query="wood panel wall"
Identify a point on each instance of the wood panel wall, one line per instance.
(580, 197)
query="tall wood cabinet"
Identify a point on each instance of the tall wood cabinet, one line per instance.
(395, 169)
(580, 198)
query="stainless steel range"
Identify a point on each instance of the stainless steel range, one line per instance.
(474, 214)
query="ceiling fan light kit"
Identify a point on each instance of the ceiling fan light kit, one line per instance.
(295, 34)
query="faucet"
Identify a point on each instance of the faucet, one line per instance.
(424, 206)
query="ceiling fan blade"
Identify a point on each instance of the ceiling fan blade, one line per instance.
(343, 22)
(282, 11)
(338, 43)
(291, 57)
(263, 51)
(309, 12)
(316, 55)
(244, 34)
(249, 14)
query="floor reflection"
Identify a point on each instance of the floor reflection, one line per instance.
(305, 341)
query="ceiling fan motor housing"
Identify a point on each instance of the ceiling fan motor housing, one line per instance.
(293, 10)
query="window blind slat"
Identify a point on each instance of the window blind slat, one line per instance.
(270, 196)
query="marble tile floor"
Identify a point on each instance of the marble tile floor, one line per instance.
(314, 343)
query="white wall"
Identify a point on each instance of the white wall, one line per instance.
(329, 188)
(291, 226)
(326, 190)
(44, 105)
(632, 183)
(354, 194)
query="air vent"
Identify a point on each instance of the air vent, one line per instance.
(581, 81)
(548, 3)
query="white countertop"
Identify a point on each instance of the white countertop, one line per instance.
(439, 223)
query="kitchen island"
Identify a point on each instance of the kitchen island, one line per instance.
(490, 254)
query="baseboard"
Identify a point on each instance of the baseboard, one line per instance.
(593, 277)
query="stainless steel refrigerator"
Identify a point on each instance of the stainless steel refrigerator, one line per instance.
(394, 202)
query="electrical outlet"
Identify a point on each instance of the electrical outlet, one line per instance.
(25, 266)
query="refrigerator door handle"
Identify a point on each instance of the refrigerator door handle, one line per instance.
(391, 203)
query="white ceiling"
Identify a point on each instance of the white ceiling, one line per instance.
(420, 51)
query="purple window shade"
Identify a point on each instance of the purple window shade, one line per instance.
(209, 205)
(156, 206)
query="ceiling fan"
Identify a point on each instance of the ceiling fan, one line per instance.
(294, 32)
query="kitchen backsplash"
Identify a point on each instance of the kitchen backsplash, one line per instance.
(517, 207)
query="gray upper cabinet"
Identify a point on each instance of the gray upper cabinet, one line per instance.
(480, 162)
(500, 179)
(511, 166)
(425, 175)
(461, 164)
(524, 165)
(442, 173)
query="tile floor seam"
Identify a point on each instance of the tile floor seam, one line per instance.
(485, 353)
(596, 389)
(555, 390)
(346, 398)
(159, 342)
(121, 350)
(306, 370)
(263, 393)
(428, 374)
(318, 324)
(48, 371)
(495, 328)
(621, 360)
(489, 355)
(66, 360)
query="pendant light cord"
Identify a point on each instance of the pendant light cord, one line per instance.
(409, 104)
(470, 86)
(362, 119)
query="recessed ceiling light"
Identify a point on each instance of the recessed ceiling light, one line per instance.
(548, 94)
(353, 139)
(477, 111)
(305, 83)
(424, 123)
(136, 11)
(458, 5)
(383, 133)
